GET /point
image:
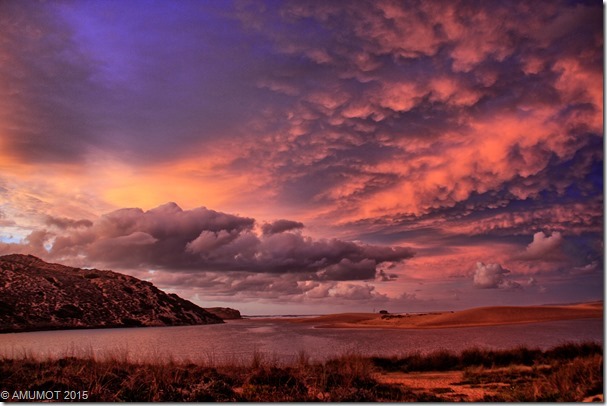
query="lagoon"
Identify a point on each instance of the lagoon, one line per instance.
(280, 340)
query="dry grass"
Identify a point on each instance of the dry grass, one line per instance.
(443, 360)
(562, 381)
(566, 373)
(347, 378)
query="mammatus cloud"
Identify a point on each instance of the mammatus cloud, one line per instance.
(475, 102)
(353, 109)
(364, 114)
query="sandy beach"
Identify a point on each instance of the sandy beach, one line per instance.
(481, 316)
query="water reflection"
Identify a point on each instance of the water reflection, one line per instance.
(237, 341)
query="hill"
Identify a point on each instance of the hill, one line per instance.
(36, 295)
(225, 313)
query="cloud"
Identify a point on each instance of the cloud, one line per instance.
(35, 243)
(124, 243)
(492, 276)
(260, 287)
(84, 80)
(348, 270)
(64, 223)
(457, 128)
(280, 226)
(342, 291)
(200, 239)
(382, 276)
(208, 241)
(544, 248)
(4, 222)
(353, 111)
(351, 291)
(46, 113)
(575, 218)
(590, 268)
(473, 105)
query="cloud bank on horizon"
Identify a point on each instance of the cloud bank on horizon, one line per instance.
(411, 154)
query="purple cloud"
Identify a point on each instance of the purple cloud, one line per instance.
(544, 248)
(200, 239)
(280, 226)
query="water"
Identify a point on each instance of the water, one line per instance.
(239, 340)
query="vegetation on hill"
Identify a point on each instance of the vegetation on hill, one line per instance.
(36, 295)
(224, 313)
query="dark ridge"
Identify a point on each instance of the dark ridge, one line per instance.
(37, 295)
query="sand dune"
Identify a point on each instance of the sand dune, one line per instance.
(481, 316)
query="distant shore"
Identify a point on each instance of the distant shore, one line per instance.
(476, 317)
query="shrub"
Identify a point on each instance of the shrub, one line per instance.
(569, 373)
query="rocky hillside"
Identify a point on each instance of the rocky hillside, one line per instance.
(225, 313)
(36, 295)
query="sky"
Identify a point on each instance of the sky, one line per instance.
(308, 157)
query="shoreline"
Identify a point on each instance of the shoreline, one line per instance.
(475, 317)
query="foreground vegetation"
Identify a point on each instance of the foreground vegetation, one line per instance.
(570, 372)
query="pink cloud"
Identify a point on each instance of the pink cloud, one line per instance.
(492, 276)
(573, 218)
(544, 247)
(577, 84)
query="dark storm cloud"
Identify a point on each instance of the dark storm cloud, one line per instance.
(347, 270)
(158, 236)
(48, 90)
(291, 288)
(170, 238)
(133, 81)
(280, 226)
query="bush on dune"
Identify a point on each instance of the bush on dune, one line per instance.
(443, 360)
(563, 381)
